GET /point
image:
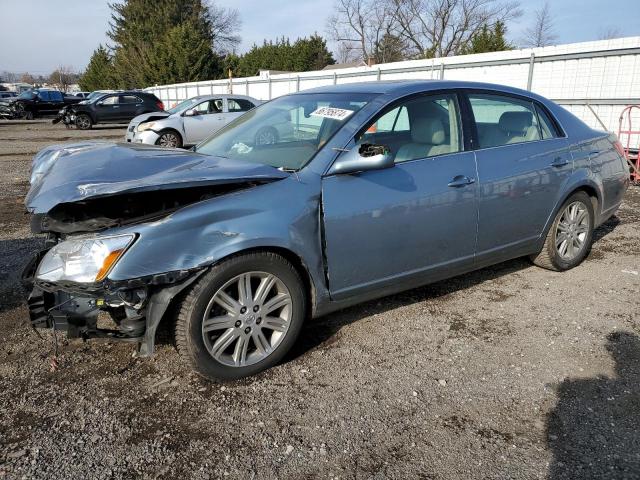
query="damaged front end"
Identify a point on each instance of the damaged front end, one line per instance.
(100, 206)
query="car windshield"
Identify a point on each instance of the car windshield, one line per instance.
(286, 132)
(184, 105)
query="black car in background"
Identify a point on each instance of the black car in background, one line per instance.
(37, 102)
(117, 107)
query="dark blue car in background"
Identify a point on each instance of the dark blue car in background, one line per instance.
(365, 190)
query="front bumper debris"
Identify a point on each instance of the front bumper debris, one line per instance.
(136, 306)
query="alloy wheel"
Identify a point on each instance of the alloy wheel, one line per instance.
(83, 122)
(247, 318)
(572, 230)
(168, 140)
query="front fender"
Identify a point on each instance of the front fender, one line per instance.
(283, 214)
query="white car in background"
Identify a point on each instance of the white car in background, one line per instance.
(189, 122)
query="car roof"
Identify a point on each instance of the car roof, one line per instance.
(221, 95)
(407, 87)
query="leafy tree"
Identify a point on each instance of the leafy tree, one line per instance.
(488, 40)
(304, 54)
(147, 47)
(99, 72)
(311, 54)
(390, 48)
(186, 55)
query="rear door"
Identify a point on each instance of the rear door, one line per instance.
(130, 106)
(236, 107)
(209, 118)
(409, 223)
(523, 161)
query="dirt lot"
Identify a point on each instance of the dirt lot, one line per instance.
(509, 372)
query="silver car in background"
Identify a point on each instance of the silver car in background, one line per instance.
(189, 122)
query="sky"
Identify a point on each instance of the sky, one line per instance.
(65, 32)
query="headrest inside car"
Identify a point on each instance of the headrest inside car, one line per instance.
(515, 122)
(428, 130)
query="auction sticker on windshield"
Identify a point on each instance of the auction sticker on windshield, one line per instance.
(331, 112)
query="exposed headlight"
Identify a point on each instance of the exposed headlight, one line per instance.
(145, 126)
(83, 260)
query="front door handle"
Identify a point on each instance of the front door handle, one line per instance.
(559, 162)
(460, 181)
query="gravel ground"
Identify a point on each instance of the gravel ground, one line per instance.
(508, 372)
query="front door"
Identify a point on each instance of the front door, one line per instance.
(108, 109)
(409, 223)
(209, 117)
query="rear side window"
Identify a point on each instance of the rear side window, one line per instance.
(239, 105)
(502, 120)
(547, 127)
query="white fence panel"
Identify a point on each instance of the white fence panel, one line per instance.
(604, 74)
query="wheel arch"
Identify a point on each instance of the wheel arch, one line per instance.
(297, 262)
(173, 130)
(584, 185)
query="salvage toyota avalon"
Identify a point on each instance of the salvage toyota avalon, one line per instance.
(369, 189)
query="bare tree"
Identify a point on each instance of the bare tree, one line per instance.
(62, 78)
(609, 33)
(359, 27)
(225, 23)
(542, 32)
(439, 28)
(9, 77)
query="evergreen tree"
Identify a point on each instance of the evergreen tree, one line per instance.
(488, 40)
(391, 48)
(99, 74)
(303, 55)
(144, 49)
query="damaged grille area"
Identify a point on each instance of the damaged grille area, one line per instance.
(104, 212)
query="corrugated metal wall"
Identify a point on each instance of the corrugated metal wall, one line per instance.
(604, 75)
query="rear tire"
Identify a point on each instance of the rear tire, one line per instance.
(569, 239)
(224, 333)
(83, 121)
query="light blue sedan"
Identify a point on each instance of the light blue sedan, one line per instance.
(363, 190)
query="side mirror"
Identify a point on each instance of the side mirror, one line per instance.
(192, 112)
(363, 158)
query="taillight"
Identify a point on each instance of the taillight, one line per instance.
(160, 105)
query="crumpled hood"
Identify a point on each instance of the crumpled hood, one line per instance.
(70, 173)
(149, 116)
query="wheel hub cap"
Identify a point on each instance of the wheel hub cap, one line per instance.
(247, 318)
(572, 231)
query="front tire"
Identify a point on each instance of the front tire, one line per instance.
(169, 139)
(242, 317)
(569, 239)
(83, 121)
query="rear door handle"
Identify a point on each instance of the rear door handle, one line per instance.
(460, 181)
(559, 162)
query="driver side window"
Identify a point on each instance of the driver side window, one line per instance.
(208, 107)
(421, 127)
(112, 100)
